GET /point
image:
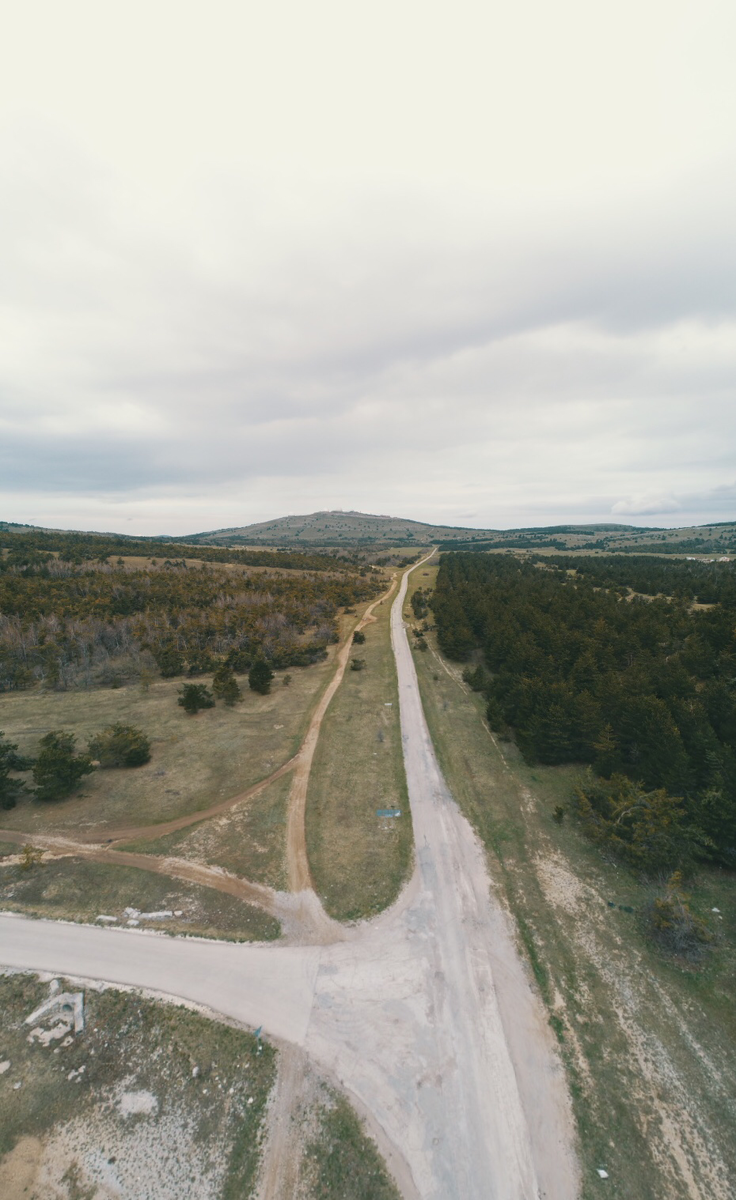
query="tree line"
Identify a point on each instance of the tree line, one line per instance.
(67, 624)
(642, 690)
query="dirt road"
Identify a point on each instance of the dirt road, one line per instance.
(424, 1015)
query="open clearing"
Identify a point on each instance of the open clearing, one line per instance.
(195, 762)
(649, 1043)
(358, 860)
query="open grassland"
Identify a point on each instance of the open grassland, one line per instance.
(649, 1042)
(151, 1100)
(248, 840)
(78, 890)
(358, 860)
(195, 762)
(345, 1163)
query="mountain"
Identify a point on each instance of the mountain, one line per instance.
(338, 528)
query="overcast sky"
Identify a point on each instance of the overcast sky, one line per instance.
(472, 263)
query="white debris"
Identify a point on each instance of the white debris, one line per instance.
(131, 912)
(195, 1072)
(156, 916)
(602, 1174)
(132, 921)
(389, 704)
(103, 917)
(16, 1086)
(178, 912)
(4, 1066)
(46, 1036)
(64, 1004)
(138, 1104)
(76, 1074)
(715, 910)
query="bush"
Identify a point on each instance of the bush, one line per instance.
(225, 685)
(357, 664)
(358, 637)
(11, 760)
(120, 746)
(195, 696)
(259, 678)
(58, 771)
(671, 922)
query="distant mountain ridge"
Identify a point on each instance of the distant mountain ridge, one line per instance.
(354, 530)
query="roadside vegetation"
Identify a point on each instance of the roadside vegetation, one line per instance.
(151, 1098)
(646, 1027)
(359, 859)
(75, 889)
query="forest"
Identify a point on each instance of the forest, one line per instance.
(627, 665)
(67, 621)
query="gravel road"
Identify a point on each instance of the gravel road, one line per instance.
(426, 1015)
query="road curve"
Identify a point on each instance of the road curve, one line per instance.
(425, 1015)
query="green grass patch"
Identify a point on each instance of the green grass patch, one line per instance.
(79, 890)
(346, 1163)
(359, 860)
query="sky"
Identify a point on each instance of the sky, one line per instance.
(465, 262)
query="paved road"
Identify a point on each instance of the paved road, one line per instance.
(424, 1015)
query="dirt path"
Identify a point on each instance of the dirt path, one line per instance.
(299, 875)
(426, 1016)
(305, 920)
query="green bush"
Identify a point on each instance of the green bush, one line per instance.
(259, 677)
(58, 770)
(195, 696)
(120, 746)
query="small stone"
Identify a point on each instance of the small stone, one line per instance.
(16, 1086)
(602, 1174)
(195, 1072)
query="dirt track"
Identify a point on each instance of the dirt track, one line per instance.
(425, 1016)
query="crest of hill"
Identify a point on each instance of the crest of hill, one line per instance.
(354, 529)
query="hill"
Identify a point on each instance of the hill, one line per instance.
(337, 528)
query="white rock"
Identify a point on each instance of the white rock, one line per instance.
(102, 917)
(4, 1066)
(602, 1174)
(132, 921)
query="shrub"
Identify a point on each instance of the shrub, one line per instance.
(225, 685)
(357, 664)
(358, 637)
(259, 677)
(195, 696)
(120, 746)
(671, 922)
(11, 760)
(58, 771)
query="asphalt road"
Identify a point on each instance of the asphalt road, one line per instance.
(426, 1015)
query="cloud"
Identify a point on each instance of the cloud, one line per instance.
(219, 303)
(645, 505)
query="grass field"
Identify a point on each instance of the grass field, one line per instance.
(249, 840)
(195, 761)
(205, 1086)
(359, 860)
(649, 1042)
(78, 890)
(344, 1162)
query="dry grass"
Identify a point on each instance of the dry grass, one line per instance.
(248, 841)
(195, 762)
(358, 860)
(649, 1043)
(79, 890)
